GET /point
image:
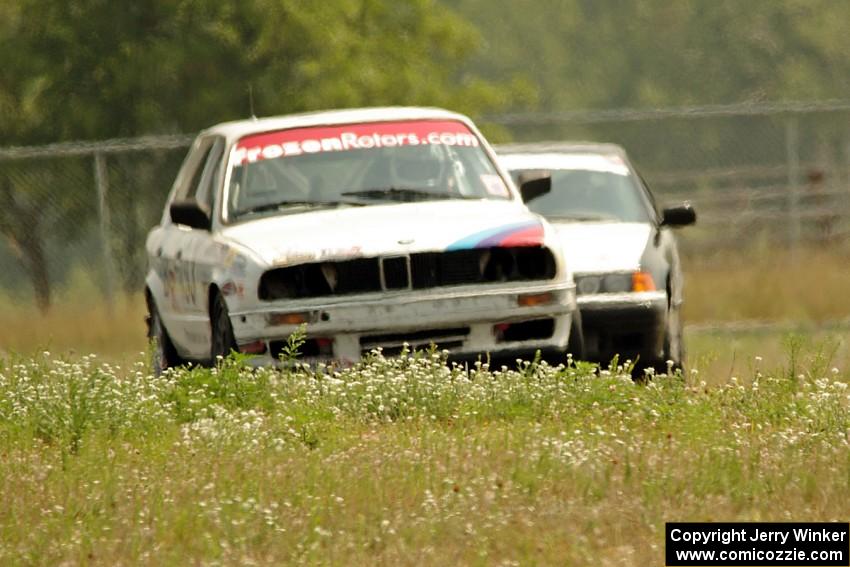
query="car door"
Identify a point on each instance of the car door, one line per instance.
(664, 262)
(200, 253)
(182, 318)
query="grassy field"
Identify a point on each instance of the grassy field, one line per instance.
(75, 326)
(406, 461)
(720, 355)
(768, 284)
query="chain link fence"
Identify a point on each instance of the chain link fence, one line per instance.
(774, 173)
(74, 216)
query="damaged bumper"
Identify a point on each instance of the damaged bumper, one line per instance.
(468, 322)
(624, 324)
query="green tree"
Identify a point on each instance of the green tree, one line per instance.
(94, 69)
(613, 54)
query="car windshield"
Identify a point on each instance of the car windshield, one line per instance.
(359, 164)
(591, 195)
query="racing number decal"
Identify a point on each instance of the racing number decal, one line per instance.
(188, 280)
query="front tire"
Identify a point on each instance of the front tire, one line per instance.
(223, 340)
(673, 348)
(674, 341)
(575, 344)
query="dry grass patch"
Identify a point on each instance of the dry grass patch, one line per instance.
(768, 284)
(75, 324)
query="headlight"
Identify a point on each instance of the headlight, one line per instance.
(617, 283)
(588, 284)
(622, 282)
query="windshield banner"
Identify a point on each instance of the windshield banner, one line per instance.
(300, 141)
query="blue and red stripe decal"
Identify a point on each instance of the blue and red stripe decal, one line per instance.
(529, 233)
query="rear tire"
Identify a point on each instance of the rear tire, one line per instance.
(163, 355)
(223, 340)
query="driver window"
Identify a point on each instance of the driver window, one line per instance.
(190, 174)
(206, 184)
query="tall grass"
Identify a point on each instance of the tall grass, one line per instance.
(80, 324)
(765, 283)
(405, 461)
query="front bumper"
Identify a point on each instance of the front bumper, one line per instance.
(628, 325)
(467, 320)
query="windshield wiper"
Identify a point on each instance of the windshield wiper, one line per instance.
(296, 203)
(404, 194)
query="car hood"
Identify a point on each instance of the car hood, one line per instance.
(603, 246)
(387, 229)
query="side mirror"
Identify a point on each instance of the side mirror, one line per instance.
(189, 213)
(533, 184)
(681, 215)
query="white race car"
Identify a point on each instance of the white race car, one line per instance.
(620, 247)
(374, 227)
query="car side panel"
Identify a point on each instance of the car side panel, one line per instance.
(172, 283)
(196, 269)
(163, 282)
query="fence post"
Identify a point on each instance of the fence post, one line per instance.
(792, 153)
(845, 195)
(101, 177)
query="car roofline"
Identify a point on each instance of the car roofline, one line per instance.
(568, 147)
(235, 130)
